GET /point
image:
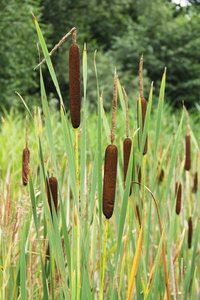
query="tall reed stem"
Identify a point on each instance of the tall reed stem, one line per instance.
(77, 213)
(104, 259)
(128, 250)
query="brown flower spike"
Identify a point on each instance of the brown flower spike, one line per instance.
(74, 85)
(178, 193)
(52, 185)
(109, 184)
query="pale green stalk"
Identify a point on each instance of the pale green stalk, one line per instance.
(104, 259)
(78, 233)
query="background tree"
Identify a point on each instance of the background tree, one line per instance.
(18, 51)
(166, 34)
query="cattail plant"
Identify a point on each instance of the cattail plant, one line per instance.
(187, 152)
(25, 159)
(178, 194)
(110, 176)
(75, 107)
(74, 83)
(110, 169)
(127, 144)
(190, 229)
(143, 103)
(52, 189)
(195, 183)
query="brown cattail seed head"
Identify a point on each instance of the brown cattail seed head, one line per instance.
(109, 184)
(74, 85)
(190, 232)
(143, 108)
(187, 153)
(195, 183)
(178, 194)
(52, 185)
(25, 165)
(127, 152)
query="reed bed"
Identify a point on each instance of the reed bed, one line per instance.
(52, 227)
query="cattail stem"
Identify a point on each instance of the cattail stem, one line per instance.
(128, 241)
(52, 274)
(104, 259)
(114, 109)
(143, 176)
(77, 214)
(26, 132)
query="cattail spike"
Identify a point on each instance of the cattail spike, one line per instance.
(178, 194)
(25, 159)
(114, 108)
(190, 229)
(74, 36)
(127, 125)
(187, 153)
(110, 176)
(127, 151)
(141, 77)
(195, 183)
(26, 132)
(74, 85)
(52, 185)
(143, 109)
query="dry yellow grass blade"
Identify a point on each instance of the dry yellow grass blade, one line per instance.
(135, 264)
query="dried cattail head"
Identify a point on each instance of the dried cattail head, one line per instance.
(139, 173)
(187, 153)
(195, 183)
(190, 233)
(127, 152)
(74, 85)
(143, 110)
(25, 165)
(178, 194)
(52, 185)
(110, 176)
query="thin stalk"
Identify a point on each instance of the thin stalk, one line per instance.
(78, 224)
(128, 238)
(104, 259)
(53, 275)
(143, 194)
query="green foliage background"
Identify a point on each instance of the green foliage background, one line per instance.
(166, 33)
